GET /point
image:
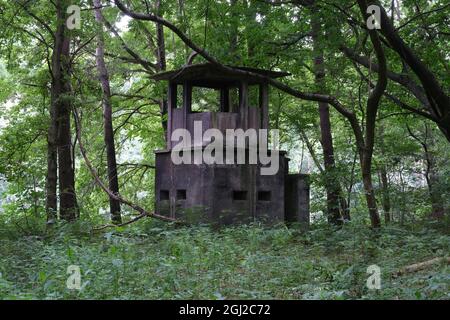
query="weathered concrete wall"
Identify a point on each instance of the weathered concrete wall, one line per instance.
(297, 198)
(224, 194)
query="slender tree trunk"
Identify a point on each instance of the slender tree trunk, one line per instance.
(403, 206)
(366, 144)
(437, 206)
(61, 90)
(369, 190)
(432, 176)
(161, 64)
(51, 203)
(331, 183)
(345, 207)
(251, 43)
(113, 180)
(349, 189)
(236, 58)
(385, 197)
(386, 200)
(431, 172)
(234, 33)
(183, 25)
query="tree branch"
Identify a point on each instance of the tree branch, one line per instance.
(204, 53)
(144, 63)
(118, 197)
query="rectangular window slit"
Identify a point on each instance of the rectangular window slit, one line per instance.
(264, 195)
(181, 194)
(164, 195)
(239, 195)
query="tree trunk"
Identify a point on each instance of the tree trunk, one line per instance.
(345, 207)
(437, 206)
(366, 144)
(439, 100)
(386, 200)
(431, 172)
(234, 33)
(251, 43)
(432, 176)
(183, 25)
(113, 180)
(331, 183)
(61, 90)
(161, 65)
(51, 203)
(370, 193)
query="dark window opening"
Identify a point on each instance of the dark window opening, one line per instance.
(164, 195)
(239, 195)
(181, 194)
(264, 195)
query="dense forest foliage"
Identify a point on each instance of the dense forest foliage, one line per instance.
(365, 112)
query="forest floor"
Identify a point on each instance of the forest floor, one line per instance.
(150, 260)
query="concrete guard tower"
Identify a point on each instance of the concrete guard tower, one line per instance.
(224, 193)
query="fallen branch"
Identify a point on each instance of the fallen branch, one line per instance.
(118, 197)
(122, 224)
(420, 266)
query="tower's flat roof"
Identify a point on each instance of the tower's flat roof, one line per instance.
(211, 76)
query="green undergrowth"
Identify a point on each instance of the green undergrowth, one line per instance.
(152, 260)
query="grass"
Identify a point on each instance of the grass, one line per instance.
(150, 260)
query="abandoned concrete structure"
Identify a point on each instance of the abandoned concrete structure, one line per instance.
(224, 193)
